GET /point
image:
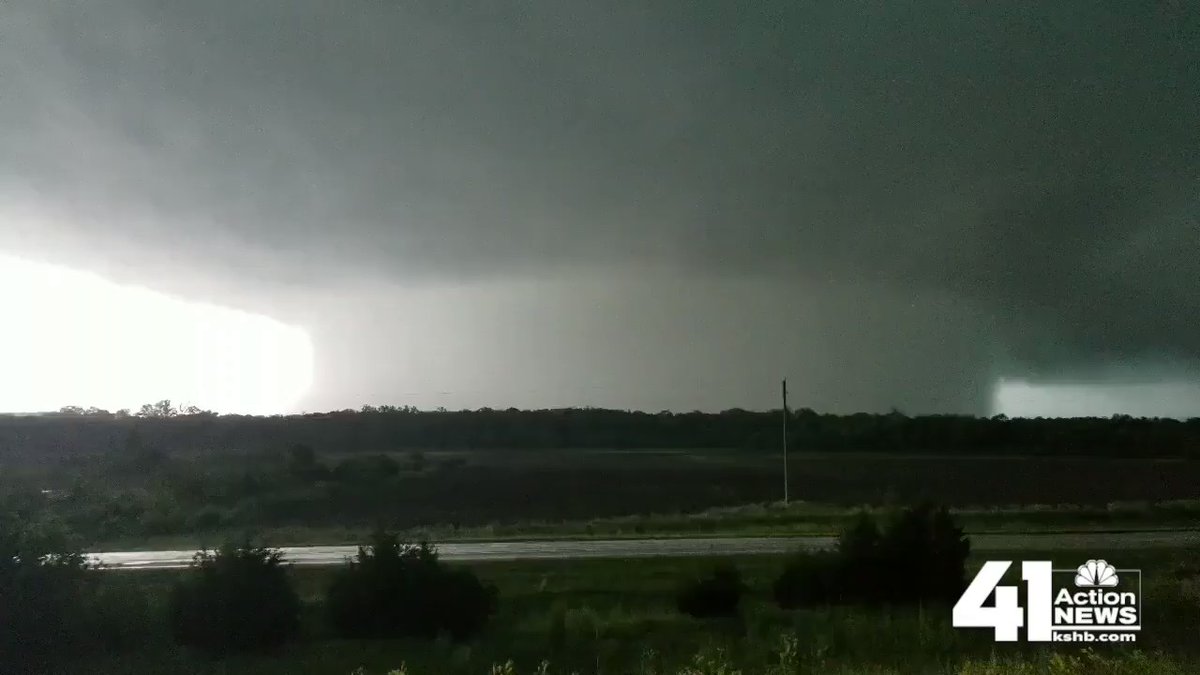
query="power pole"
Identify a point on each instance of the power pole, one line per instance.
(785, 468)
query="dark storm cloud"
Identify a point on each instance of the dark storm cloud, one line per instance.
(1032, 165)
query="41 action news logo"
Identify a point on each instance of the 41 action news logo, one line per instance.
(1095, 602)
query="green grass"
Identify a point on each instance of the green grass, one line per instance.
(753, 520)
(618, 616)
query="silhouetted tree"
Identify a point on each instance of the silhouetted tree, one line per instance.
(162, 409)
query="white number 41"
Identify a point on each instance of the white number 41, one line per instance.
(1006, 615)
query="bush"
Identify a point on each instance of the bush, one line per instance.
(366, 469)
(43, 594)
(239, 598)
(394, 589)
(809, 578)
(556, 633)
(208, 518)
(119, 615)
(918, 556)
(717, 595)
(925, 548)
(417, 461)
(53, 605)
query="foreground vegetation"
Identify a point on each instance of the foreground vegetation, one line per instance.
(806, 613)
(789, 661)
(611, 616)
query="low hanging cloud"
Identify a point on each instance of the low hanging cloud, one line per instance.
(910, 202)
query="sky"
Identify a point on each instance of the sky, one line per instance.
(946, 207)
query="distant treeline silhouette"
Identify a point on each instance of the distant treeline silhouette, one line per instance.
(163, 427)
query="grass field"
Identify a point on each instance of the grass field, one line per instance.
(753, 520)
(585, 493)
(618, 616)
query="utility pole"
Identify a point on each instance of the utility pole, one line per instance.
(785, 468)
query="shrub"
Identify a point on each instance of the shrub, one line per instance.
(467, 603)
(556, 631)
(238, 598)
(366, 469)
(716, 595)
(208, 518)
(394, 589)
(860, 562)
(809, 578)
(925, 548)
(417, 461)
(918, 556)
(43, 593)
(119, 615)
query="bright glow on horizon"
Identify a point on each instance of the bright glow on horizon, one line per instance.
(72, 338)
(1018, 398)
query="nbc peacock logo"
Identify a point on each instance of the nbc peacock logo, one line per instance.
(1096, 574)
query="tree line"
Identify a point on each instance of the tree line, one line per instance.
(165, 427)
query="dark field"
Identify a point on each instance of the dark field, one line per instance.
(580, 485)
(116, 502)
